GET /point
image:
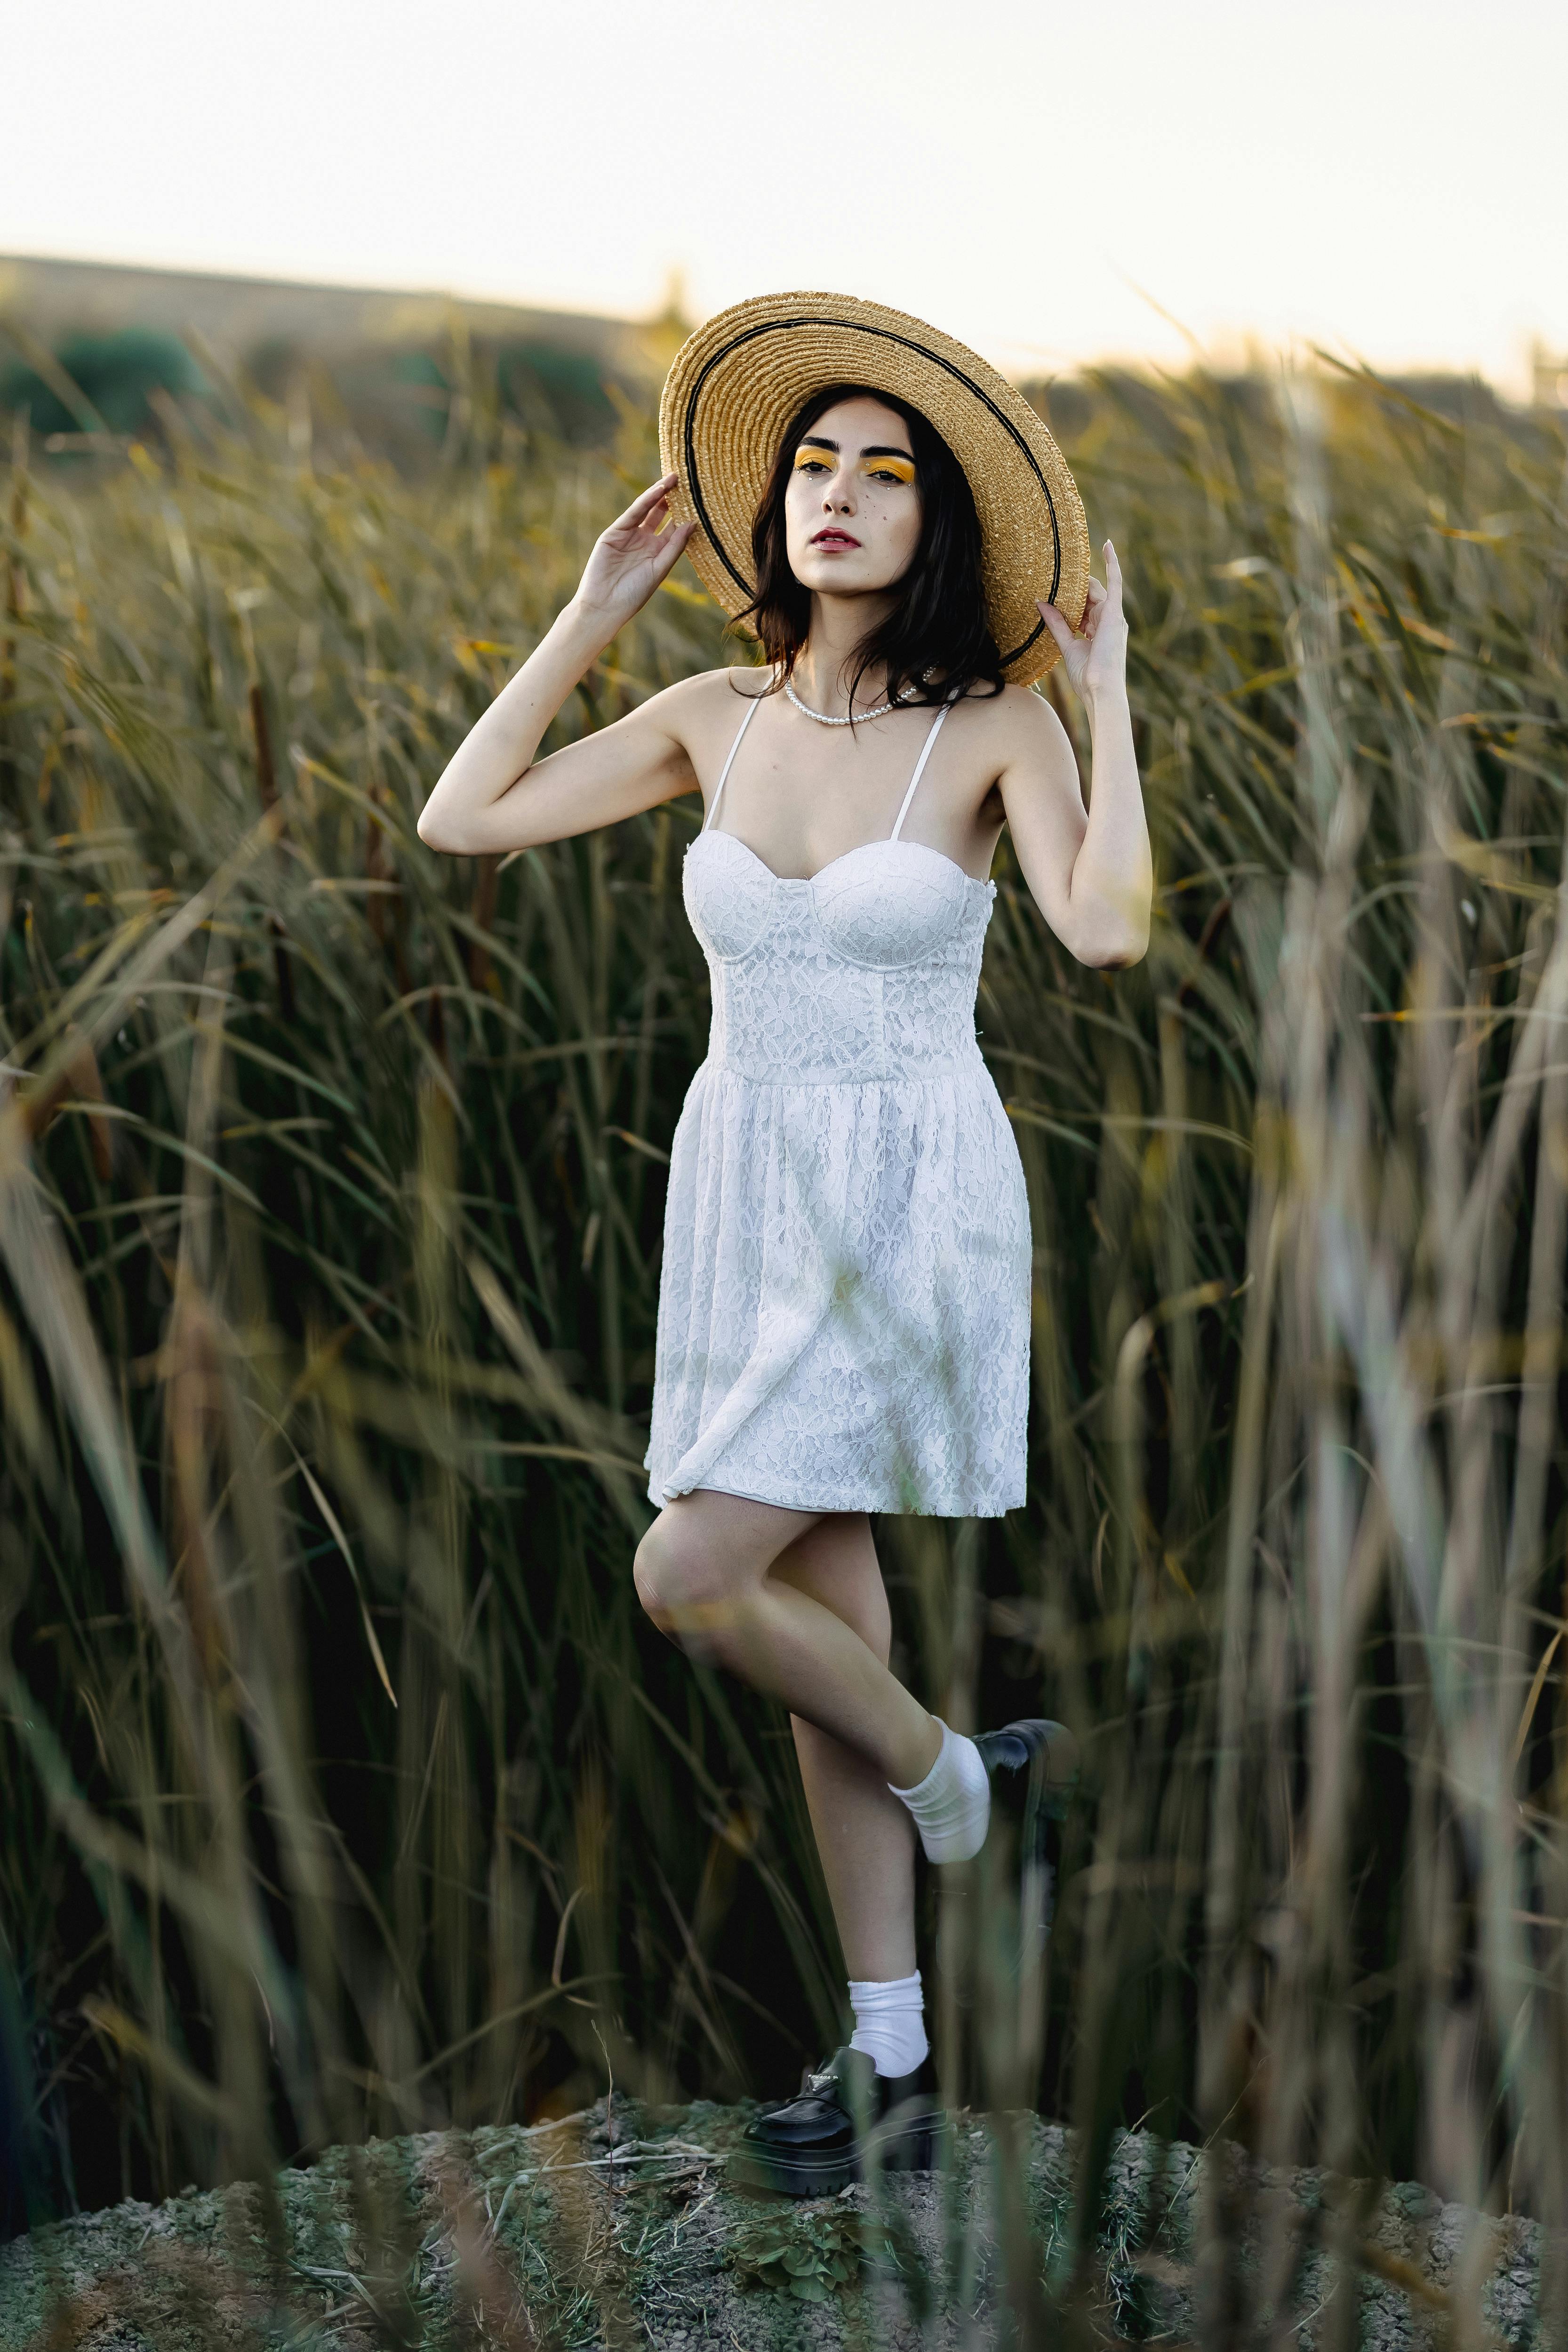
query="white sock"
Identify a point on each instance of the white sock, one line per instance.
(889, 2026)
(952, 1805)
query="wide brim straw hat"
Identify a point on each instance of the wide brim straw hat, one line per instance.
(736, 383)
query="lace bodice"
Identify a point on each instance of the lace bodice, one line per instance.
(867, 970)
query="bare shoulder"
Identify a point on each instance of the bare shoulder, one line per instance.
(1015, 728)
(713, 686)
(697, 707)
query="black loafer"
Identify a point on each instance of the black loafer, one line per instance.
(1034, 1769)
(844, 2120)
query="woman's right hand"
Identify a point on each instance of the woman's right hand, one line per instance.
(632, 557)
(494, 794)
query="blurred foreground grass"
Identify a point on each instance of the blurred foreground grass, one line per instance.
(347, 1790)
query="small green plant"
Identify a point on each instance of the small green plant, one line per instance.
(809, 2255)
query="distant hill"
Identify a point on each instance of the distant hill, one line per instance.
(85, 346)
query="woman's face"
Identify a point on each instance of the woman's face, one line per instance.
(852, 510)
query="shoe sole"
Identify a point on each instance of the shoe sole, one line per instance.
(910, 2149)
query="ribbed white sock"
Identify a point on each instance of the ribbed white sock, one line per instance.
(952, 1805)
(889, 2024)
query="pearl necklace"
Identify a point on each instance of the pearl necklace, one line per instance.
(825, 718)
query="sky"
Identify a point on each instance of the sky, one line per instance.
(1053, 183)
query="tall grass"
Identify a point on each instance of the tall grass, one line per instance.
(348, 1791)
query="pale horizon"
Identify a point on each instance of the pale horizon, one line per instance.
(1384, 180)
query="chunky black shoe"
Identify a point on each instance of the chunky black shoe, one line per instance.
(1033, 1765)
(844, 2120)
(1034, 1770)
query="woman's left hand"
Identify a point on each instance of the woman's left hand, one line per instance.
(1095, 658)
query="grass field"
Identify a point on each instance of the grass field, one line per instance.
(348, 1791)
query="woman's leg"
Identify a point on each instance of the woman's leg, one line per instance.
(704, 1574)
(865, 1836)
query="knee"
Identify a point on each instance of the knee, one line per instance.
(652, 1576)
(676, 1584)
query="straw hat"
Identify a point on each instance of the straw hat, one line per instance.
(736, 383)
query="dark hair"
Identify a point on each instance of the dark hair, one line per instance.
(938, 624)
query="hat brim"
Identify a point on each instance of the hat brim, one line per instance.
(736, 383)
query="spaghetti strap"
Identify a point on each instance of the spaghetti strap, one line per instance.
(725, 771)
(920, 769)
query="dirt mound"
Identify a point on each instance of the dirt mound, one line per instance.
(620, 2229)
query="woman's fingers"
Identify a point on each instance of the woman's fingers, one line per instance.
(641, 508)
(1058, 625)
(1101, 599)
(672, 546)
(630, 533)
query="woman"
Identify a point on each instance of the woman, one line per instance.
(844, 1303)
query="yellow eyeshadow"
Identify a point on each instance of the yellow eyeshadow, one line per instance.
(900, 468)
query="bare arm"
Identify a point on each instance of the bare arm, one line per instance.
(1090, 872)
(492, 794)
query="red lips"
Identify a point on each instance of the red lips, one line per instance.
(833, 538)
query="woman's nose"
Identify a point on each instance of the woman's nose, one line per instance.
(837, 496)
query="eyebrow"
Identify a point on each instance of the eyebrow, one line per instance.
(820, 441)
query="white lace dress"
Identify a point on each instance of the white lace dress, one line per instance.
(844, 1301)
